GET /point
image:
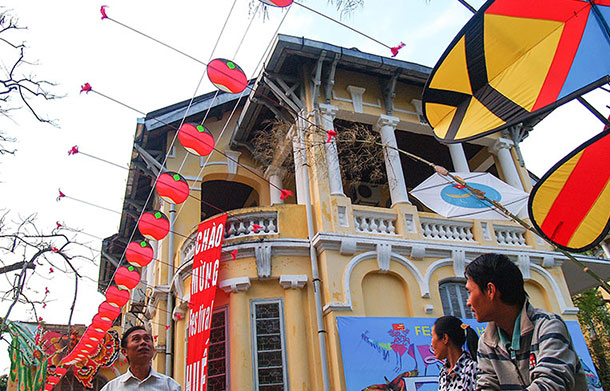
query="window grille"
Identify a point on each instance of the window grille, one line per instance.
(269, 346)
(454, 297)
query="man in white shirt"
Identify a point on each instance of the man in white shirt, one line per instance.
(137, 345)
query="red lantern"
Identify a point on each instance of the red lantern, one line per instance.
(116, 296)
(153, 225)
(108, 311)
(139, 253)
(172, 187)
(94, 335)
(227, 76)
(127, 277)
(100, 324)
(277, 3)
(196, 139)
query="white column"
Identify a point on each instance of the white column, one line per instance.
(274, 175)
(458, 158)
(328, 113)
(299, 161)
(396, 179)
(502, 150)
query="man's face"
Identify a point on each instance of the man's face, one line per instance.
(140, 348)
(479, 301)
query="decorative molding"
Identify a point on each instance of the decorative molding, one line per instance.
(523, 261)
(293, 281)
(347, 304)
(232, 160)
(357, 97)
(384, 252)
(348, 246)
(340, 99)
(234, 285)
(433, 267)
(548, 261)
(387, 120)
(418, 251)
(501, 143)
(563, 306)
(459, 262)
(342, 216)
(262, 253)
(329, 111)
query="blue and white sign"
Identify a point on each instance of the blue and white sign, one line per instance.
(380, 353)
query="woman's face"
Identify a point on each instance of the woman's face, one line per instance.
(439, 344)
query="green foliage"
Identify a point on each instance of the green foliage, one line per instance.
(594, 319)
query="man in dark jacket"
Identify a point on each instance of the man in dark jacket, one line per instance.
(523, 347)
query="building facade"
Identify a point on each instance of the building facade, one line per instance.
(348, 244)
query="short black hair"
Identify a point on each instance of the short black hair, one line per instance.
(129, 331)
(500, 271)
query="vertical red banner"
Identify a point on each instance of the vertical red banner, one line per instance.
(204, 280)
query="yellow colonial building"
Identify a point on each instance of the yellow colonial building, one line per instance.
(348, 244)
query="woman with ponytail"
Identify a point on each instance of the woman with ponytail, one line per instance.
(460, 369)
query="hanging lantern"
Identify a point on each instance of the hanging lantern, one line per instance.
(139, 253)
(196, 139)
(227, 76)
(94, 335)
(100, 324)
(116, 296)
(172, 187)
(127, 277)
(277, 3)
(108, 311)
(153, 225)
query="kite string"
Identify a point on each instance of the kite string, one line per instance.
(256, 69)
(174, 139)
(481, 195)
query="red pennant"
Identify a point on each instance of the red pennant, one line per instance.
(85, 88)
(155, 337)
(44, 305)
(256, 227)
(103, 12)
(178, 316)
(331, 134)
(167, 328)
(55, 249)
(285, 194)
(51, 270)
(234, 254)
(46, 290)
(395, 49)
(40, 319)
(60, 196)
(58, 224)
(73, 151)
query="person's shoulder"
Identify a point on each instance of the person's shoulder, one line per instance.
(112, 384)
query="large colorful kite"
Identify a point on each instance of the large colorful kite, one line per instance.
(570, 205)
(516, 59)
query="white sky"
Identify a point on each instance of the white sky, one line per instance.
(73, 46)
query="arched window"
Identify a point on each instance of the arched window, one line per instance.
(454, 296)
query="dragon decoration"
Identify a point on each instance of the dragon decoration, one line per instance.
(35, 354)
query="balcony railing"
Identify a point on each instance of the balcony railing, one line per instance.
(375, 222)
(440, 229)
